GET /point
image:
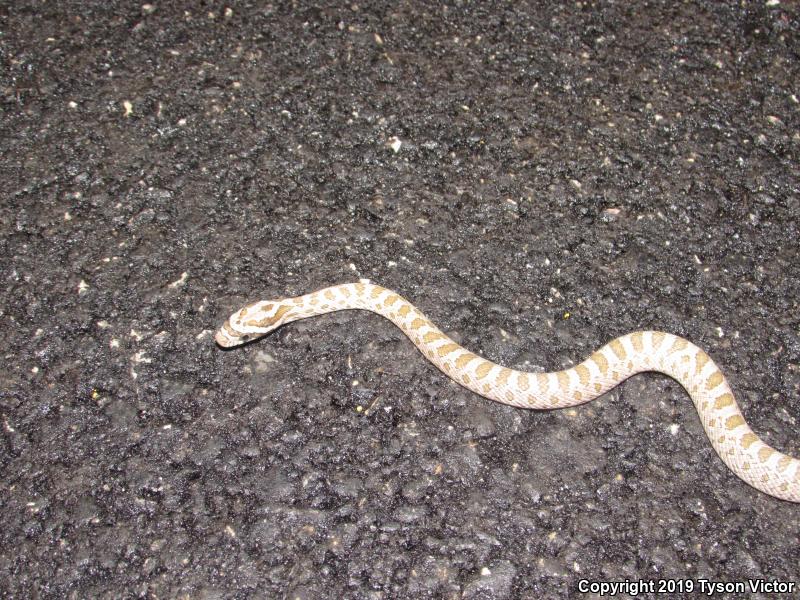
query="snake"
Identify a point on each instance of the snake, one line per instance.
(750, 458)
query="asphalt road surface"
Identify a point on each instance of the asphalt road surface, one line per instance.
(537, 178)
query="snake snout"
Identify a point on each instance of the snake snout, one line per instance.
(224, 339)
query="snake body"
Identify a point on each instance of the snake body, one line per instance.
(743, 451)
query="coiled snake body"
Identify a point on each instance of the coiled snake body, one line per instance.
(742, 450)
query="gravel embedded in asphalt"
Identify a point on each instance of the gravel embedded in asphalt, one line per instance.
(537, 178)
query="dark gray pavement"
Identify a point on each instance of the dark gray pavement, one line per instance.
(537, 178)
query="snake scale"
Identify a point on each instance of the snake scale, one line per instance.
(743, 451)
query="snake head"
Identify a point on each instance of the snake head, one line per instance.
(252, 322)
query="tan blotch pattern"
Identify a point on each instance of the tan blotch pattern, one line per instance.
(742, 450)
